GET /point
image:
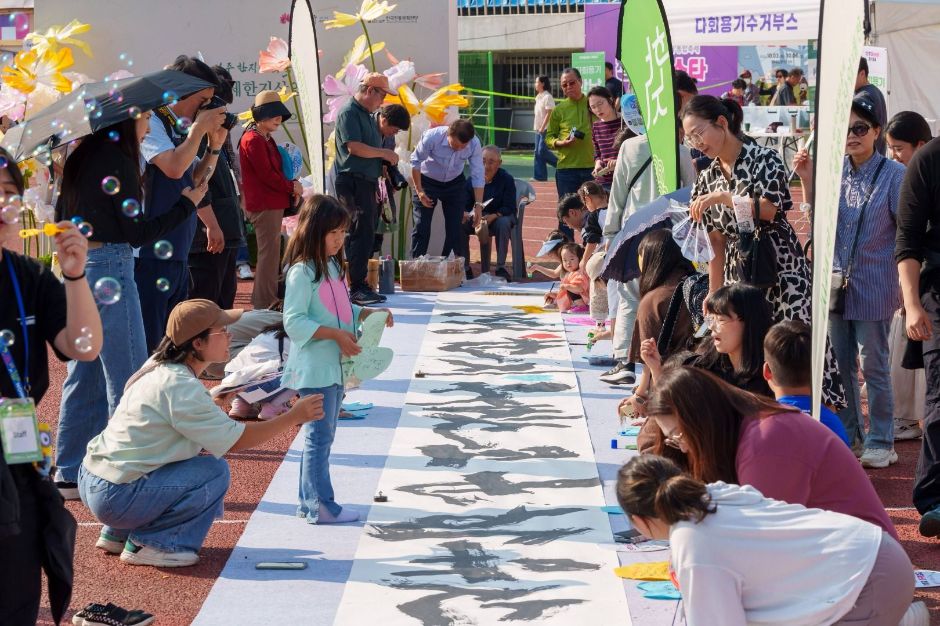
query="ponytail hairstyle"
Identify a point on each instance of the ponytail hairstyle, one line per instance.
(910, 127)
(710, 108)
(590, 188)
(168, 352)
(653, 487)
(319, 215)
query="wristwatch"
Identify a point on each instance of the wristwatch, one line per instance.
(477, 204)
(215, 152)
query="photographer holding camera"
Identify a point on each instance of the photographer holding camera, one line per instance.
(569, 134)
(391, 119)
(220, 231)
(177, 130)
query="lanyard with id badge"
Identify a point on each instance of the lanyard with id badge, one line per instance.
(19, 425)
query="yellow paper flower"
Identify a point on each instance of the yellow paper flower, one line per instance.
(330, 150)
(59, 35)
(370, 10)
(358, 54)
(31, 68)
(283, 94)
(434, 106)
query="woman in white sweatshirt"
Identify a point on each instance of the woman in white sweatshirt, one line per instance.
(740, 558)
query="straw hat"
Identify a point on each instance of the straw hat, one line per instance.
(267, 105)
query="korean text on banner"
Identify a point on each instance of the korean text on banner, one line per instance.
(306, 66)
(645, 51)
(840, 47)
(591, 66)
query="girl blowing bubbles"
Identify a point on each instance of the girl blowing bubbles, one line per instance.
(321, 323)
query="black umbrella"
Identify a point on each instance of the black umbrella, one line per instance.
(94, 106)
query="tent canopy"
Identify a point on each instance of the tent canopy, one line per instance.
(910, 30)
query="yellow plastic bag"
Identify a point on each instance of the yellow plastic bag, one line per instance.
(657, 570)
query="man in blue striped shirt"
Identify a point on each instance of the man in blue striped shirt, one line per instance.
(864, 254)
(437, 174)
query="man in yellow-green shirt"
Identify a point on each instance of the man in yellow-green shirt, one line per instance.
(569, 135)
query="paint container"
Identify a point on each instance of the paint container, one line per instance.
(623, 443)
(387, 275)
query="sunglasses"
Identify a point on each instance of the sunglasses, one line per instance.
(859, 129)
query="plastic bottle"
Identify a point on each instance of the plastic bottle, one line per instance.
(387, 275)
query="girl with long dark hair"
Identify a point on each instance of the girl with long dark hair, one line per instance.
(321, 322)
(101, 185)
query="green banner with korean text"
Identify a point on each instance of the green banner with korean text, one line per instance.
(591, 66)
(841, 33)
(645, 51)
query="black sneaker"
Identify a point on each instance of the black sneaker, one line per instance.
(619, 374)
(930, 523)
(112, 615)
(502, 273)
(469, 273)
(68, 490)
(363, 296)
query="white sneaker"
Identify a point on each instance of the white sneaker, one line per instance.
(244, 272)
(109, 544)
(916, 615)
(878, 457)
(907, 430)
(144, 555)
(345, 516)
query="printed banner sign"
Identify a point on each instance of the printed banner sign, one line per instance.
(840, 46)
(306, 67)
(645, 50)
(591, 66)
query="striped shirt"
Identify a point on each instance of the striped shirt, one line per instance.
(873, 293)
(604, 135)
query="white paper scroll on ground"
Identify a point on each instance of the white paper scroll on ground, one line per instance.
(494, 499)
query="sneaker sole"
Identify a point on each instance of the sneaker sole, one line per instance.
(111, 547)
(909, 435)
(929, 527)
(134, 558)
(619, 380)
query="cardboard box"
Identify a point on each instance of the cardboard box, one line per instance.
(431, 274)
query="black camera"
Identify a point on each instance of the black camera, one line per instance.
(398, 181)
(230, 118)
(577, 134)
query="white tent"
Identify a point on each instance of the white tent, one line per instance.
(910, 30)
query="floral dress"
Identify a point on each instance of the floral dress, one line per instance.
(759, 170)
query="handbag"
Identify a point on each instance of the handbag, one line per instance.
(839, 285)
(757, 256)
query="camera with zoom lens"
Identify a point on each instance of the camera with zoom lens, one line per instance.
(395, 176)
(230, 118)
(577, 134)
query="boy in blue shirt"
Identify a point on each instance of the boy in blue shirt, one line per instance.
(787, 371)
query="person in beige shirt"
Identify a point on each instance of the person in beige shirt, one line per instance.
(544, 103)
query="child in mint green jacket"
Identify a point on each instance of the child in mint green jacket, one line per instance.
(321, 322)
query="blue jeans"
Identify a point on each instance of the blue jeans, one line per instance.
(157, 304)
(543, 158)
(242, 255)
(170, 509)
(854, 340)
(316, 488)
(454, 201)
(567, 181)
(93, 389)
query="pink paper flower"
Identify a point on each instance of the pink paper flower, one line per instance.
(341, 90)
(403, 72)
(275, 58)
(285, 18)
(12, 103)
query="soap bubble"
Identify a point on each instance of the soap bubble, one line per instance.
(134, 113)
(7, 338)
(86, 229)
(130, 207)
(163, 250)
(114, 136)
(170, 97)
(91, 105)
(10, 214)
(163, 284)
(183, 124)
(110, 185)
(3, 162)
(76, 220)
(116, 96)
(107, 290)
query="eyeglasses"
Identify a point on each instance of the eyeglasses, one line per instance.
(695, 138)
(716, 321)
(859, 129)
(674, 441)
(224, 331)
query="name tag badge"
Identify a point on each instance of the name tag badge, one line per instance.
(19, 431)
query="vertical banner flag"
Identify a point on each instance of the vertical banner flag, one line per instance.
(840, 47)
(645, 51)
(305, 63)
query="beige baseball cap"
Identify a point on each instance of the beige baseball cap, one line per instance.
(379, 80)
(191, 317)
